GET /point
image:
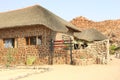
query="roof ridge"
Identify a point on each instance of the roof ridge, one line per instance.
(36, 5)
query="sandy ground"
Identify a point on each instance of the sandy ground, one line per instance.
(65, 72)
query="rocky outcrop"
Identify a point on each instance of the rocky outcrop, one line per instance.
(110, 28)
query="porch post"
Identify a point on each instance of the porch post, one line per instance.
(107, 55)
(51, 51)
(71, 61)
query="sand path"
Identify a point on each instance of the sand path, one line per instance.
(67, 72)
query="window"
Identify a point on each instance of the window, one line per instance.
(84, 45)
(76, 46)
(31, 40)
(34, 40)
(9, 43)
(39, 40)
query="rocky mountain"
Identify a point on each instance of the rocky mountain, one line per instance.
(110, 28)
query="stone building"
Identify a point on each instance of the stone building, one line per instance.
(95, 43)
(28, 32)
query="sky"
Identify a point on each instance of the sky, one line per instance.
(96, 10)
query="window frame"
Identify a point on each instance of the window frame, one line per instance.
(12, 40)
(28, 42)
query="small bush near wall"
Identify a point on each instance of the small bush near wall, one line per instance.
(30, 60)
(112, 49)
(9, 57)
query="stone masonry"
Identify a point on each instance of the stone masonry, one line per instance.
(21, 50)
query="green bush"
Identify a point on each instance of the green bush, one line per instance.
(30, 60)
(9, 57)
(112, 49)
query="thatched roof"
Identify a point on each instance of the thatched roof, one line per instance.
(34, 15)
(90, 35)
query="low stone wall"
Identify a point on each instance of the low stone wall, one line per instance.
(19, 56)
(82, 58)
(99, 50)
(78, 57)
(83, 62)
(61, 57)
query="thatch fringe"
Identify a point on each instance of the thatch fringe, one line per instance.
(34, 15)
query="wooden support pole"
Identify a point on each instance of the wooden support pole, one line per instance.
(107, 55)
(71, 62)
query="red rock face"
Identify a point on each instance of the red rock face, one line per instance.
(110, 28)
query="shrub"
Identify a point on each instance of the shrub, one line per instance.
(9, 57)
(112, 49)
(30, 60)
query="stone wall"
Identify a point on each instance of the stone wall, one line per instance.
(96, 52)
(61, 57)
(78, 57)
(99, 50)
(22, 51)
(82, 58)
(41, 52)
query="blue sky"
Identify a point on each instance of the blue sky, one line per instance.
(97, 10)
